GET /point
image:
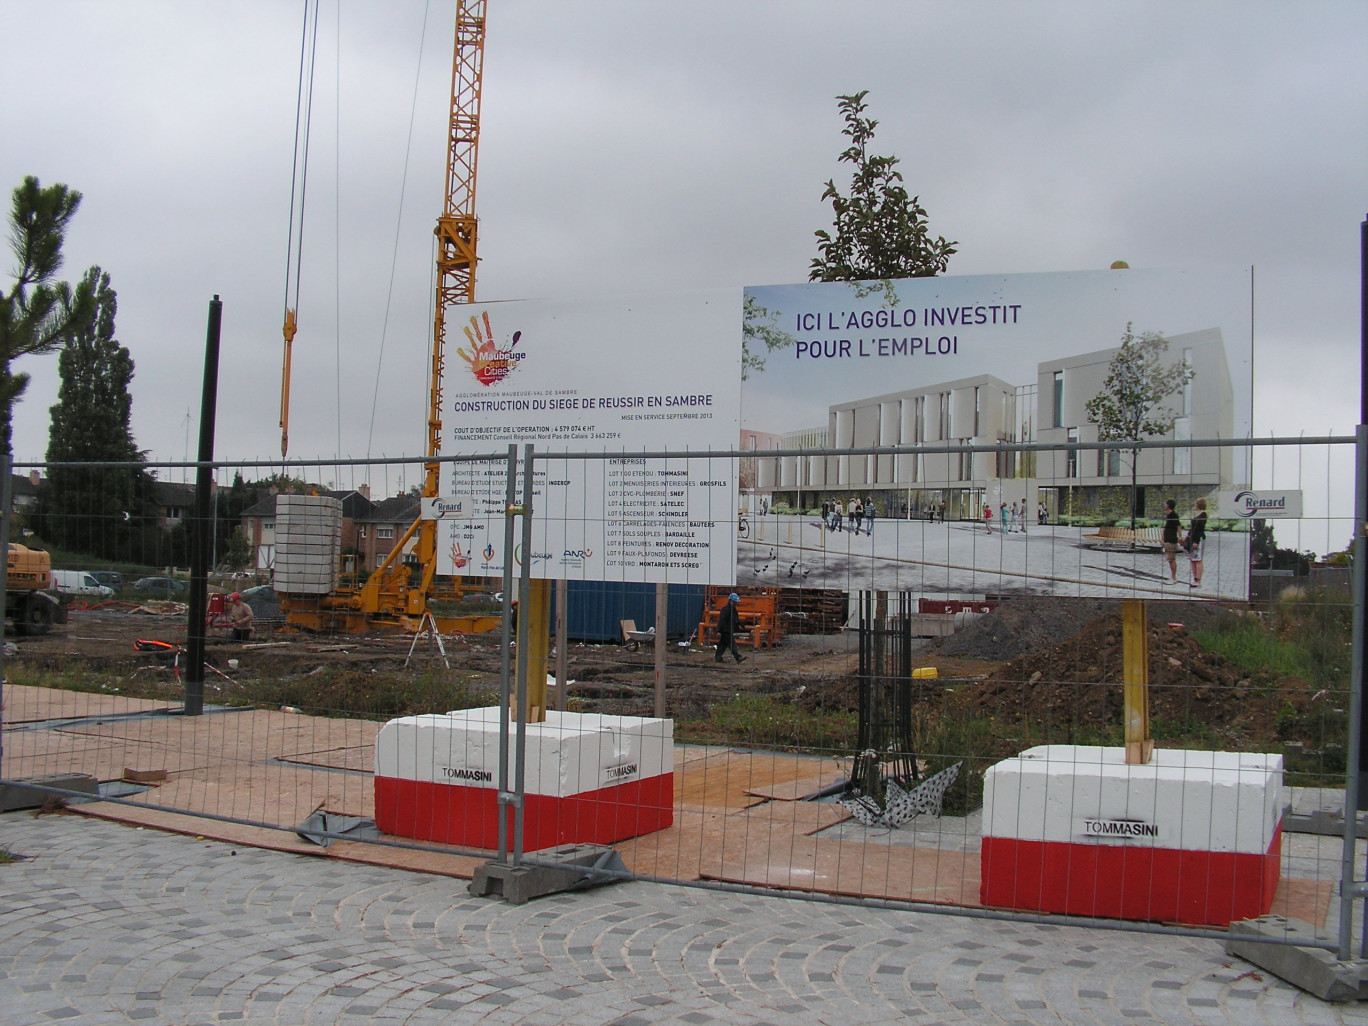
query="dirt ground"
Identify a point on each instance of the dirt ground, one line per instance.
(1031, 657)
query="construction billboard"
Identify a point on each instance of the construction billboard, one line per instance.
(987, 385)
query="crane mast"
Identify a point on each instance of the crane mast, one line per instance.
(456, 232)
(388, 595)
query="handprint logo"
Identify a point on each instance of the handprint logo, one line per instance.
(458, 558)
(487, 361)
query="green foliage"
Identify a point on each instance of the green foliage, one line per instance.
(239, 554)
(1306, 635)
(38, 314)
(880, 232)
(758, 329)
(96, 510)
(1130, 407)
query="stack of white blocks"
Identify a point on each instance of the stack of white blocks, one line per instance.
(308, 542)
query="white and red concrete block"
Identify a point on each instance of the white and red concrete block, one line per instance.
(589, 778)
(1190, 837)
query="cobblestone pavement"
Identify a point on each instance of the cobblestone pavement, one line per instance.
(103, 923)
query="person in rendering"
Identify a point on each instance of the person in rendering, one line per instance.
(728, 627)
(239, 617)
(837, 515)
(988, 517)
(1042, 514)
(856, 514)
(1002, 512)
(870, 513)
(1172, 525)
(1196, 541)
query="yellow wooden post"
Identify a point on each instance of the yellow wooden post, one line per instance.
(1135, 675)
(538, 616)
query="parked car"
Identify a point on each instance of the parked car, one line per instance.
(109, 578)
(79, 582)
(161, 587)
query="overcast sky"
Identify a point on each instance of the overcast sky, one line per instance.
(654, 146)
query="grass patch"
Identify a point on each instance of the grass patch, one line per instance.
(769, 721)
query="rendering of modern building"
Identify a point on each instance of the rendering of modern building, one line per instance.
(985, 411)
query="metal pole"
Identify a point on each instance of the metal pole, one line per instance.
(524, 593)
(202, 536)
(505, 646)
(562, 645)
(1353, 792)
(1358, 681)
(5, 482)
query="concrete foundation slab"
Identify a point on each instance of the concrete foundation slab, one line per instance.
(519, 884)
(1315, 970)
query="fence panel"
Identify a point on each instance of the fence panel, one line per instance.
(928, 713)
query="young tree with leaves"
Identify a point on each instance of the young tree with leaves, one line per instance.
(1130, 407)
(38, 314)
(880, 232)
(95, 510)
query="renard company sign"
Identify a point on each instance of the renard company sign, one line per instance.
(1123, 829)
(1252, 505)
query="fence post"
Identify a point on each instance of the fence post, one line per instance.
(201, 536)
(506, 797)
(1353, 777)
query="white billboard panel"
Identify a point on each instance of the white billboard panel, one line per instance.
(987, 361)
(616, 376)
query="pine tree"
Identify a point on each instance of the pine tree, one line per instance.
(95, 510)
(38, 314)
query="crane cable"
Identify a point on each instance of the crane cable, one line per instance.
(299, 176)
(398, 225)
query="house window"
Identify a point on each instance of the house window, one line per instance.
(361, 531)
(1071, 466)
(384, 533)
(1058, 420)
(268, 525)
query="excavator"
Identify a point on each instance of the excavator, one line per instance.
(396, 595)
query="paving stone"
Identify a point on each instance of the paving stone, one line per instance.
(143, 926)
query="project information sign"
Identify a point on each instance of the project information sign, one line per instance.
(613, 376)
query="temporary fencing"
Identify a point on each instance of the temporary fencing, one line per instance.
(930, 713)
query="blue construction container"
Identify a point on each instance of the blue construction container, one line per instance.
(595, 609)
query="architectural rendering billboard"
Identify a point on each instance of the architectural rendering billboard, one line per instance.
(976, 378)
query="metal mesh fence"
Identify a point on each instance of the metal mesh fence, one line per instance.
(882, 653)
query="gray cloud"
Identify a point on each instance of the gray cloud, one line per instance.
(643, 146)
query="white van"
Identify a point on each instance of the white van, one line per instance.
(79, 582)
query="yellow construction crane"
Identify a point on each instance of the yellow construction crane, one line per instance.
(388, 596)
